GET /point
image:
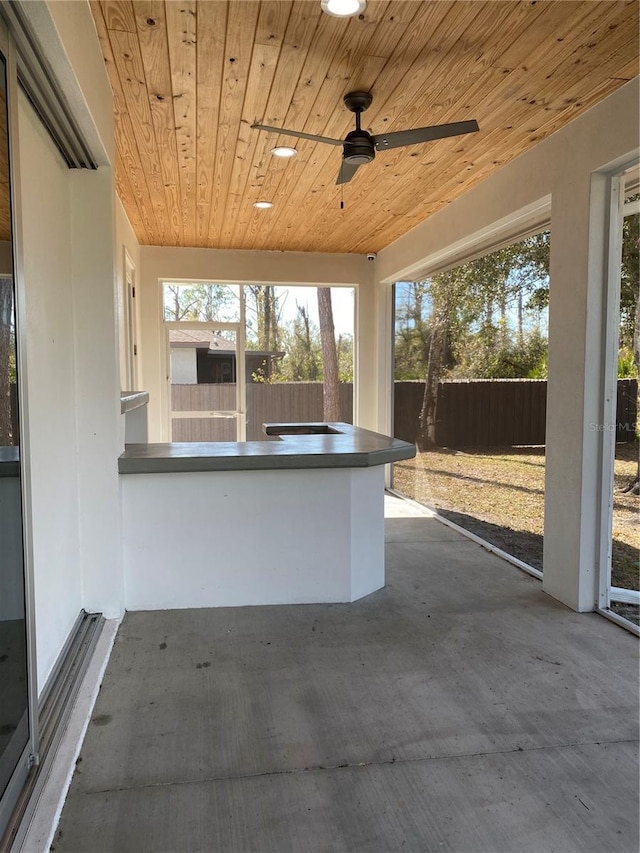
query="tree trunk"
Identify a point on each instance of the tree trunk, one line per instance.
(266, 316)
(6, 314)
(311, 361)
(504, 331)
(520, 318)
(426, 436)
(330, 385)
(488, 311)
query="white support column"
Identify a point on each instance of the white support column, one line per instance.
(97, 390)
(365, 373)
(384, 353)
(579, 228)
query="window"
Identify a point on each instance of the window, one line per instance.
(243, 355)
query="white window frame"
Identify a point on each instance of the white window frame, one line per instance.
(241, 339)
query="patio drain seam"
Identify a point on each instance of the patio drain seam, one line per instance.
(358, 765)
(461, 540)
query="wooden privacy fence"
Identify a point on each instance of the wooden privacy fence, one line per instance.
(495, 412)
(287, 401)
(626, 409)
(478, 413)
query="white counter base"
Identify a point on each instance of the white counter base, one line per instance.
(227, 539)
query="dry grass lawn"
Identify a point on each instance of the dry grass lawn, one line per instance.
(498, 493)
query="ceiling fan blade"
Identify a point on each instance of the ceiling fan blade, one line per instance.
(326, 139)
(347, 171)
(385, 141)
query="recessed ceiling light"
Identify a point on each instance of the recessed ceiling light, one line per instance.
(343, 8)
(284, 151)
(263, 205)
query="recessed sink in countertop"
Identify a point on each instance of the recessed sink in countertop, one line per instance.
(300, 429)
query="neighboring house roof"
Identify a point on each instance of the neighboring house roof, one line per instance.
(205, 339)
(200, 339)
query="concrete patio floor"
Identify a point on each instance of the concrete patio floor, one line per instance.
(459, 709)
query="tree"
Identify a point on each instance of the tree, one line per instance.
(412, 331)
(629, 282)
(345, 358)
(630, 309)
(197, 302)
(301, 342)
(521, 357)
(263, 317)
(468, 323)
(444, 295)
(330, 379)
(176, 306)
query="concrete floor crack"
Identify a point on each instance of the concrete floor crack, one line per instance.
(322, 768)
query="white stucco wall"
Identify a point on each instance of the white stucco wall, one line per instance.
(213, 524)
(557, 176)
(52, 400)
(69, 319)
(282, 268)
(98, 415)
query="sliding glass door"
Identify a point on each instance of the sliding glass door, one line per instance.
(619, 532)
(15, 729)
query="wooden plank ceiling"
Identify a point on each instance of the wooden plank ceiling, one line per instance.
(190, 77)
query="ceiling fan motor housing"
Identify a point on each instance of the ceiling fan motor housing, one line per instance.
(359, 147)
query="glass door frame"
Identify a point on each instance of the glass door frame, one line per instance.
(29, 756)
(240, 412)
(131, 323)
(612, 280)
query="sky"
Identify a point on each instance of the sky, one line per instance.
(342, 301)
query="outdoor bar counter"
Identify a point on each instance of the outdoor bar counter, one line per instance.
(296, 519)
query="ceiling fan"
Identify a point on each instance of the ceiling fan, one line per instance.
(360, 147)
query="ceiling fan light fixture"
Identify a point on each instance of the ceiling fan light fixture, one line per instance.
(263, 205)
(283, 151)
(343, 8)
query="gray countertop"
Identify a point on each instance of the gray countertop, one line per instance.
(346, 447)
(130, 400)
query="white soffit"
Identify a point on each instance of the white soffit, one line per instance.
(529, 220)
